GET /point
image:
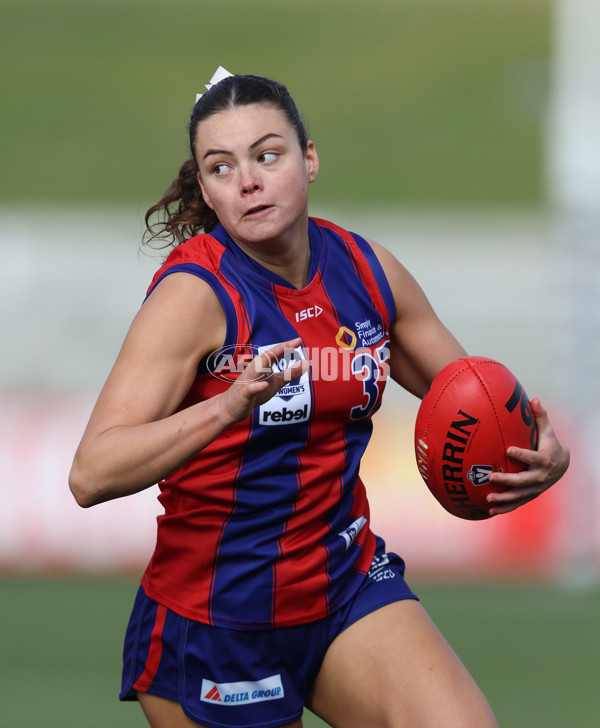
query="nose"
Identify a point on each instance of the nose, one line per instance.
(249, 188)
(250, 181)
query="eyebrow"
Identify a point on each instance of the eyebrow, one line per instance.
(253, 146)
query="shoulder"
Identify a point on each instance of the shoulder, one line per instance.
(181, 311)
(182, 299)
(401, 281)
(198, 256)
(387, 259)
(202, 250)
(183, 293)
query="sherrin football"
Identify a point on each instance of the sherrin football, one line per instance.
(474, 409)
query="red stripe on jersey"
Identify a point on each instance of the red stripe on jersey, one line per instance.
(301, 530)
(154, 653)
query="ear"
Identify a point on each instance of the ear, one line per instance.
(203, 190)
(312, 161)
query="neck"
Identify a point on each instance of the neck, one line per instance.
(290, 261)
(293, 267)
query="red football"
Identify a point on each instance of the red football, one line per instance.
(474, 409)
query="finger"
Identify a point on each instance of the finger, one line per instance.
(279, 378)
(514, 481)
(296, 370)
(260, 367)
(511, 500)
(278, 351)
(542, 421)
(538, 408)
(523, 455)
(289, 374)
(263, 364)
(254, 387)
(532, 458)
(522, 493)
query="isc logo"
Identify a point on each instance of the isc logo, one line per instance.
(308, 313)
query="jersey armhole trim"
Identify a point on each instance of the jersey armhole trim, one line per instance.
(231, 318)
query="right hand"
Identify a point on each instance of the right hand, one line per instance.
(258, 382)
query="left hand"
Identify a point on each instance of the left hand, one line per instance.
(547, 464)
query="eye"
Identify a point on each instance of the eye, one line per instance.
(220, 169)
(267, 157)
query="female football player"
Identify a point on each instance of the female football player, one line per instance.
(268, 590)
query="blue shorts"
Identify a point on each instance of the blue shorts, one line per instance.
(225, 678)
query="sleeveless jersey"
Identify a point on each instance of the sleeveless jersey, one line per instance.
(268, 525)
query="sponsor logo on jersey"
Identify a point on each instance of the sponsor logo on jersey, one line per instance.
(213, 695)
(345, 338)
(349, 534)
(368, 333)
(245, 692)
(292, 403)
(480, 474)
(308, 313)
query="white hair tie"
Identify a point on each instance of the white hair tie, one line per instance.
(219, 75)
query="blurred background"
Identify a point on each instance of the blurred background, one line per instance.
(465, 137)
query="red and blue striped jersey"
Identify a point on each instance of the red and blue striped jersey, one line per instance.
(268, 525)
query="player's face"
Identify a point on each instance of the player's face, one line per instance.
(254, 174)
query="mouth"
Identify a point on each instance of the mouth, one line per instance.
(257, 211)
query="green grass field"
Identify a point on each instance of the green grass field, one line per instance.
(409, 102)
(533, 649)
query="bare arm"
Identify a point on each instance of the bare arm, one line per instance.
(420, 343)
(135, 436)
(421, 346)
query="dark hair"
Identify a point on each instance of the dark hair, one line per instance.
(182, 210)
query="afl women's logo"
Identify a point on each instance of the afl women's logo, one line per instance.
(293, 402)
(480, 474)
